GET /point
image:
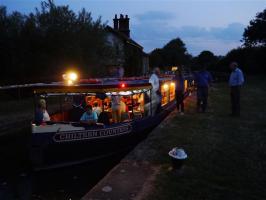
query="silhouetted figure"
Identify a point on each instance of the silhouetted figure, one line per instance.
(203, 80)
(236, 80)
(179, 91)
(104, 118)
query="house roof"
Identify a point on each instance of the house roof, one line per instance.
(124, 37)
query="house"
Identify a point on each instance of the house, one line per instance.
(128, 53)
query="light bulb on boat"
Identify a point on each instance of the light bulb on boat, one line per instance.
(165, 86)
(70, 77)
(73, 76)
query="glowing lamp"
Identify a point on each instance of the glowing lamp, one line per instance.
(123, 85)
(70, 78)
(165, 87)
(73, 76)
(70, 82)
(172, 84)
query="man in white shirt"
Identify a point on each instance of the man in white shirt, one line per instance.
(154, 80)
(236, 80)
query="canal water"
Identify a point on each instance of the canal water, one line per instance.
(19, 182)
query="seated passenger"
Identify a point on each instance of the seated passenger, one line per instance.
(104, 118)
(41, 114)
(75, 113)
(89, 117)
(124, 113)
(97, 108)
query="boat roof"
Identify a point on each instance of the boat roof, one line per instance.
(91, 88)
(104, 85)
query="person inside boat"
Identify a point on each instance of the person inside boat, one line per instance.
(89, 117)
(96, 108)
(116, 109)
(41, 114)
(124, 113)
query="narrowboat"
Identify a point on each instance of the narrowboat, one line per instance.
(64, 140)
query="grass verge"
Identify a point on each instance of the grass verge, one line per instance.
(226, 155)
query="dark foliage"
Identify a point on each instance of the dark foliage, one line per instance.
(206, 59)
(42, 45)
(255, 33)
(250, 59)
(174, 53)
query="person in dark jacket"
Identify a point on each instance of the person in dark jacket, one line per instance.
(179, 92)
(203, 81)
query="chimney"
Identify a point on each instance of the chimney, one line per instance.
(127, 31)
(124, 25)
(116, 25)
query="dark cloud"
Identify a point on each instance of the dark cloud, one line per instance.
(156, 33)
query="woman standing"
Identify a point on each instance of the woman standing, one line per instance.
(179, 92)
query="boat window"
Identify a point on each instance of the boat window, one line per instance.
(172, 91)
(122, 108)
(112, 108)
(165, 91)
(168, 92)
(186, 85)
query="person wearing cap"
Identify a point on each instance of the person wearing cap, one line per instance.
(203, 80)
(236, 80)
(41, 114)
(89, 117)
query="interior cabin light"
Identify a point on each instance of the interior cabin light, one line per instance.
(126, 93)
(174, 68)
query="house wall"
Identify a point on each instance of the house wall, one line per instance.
(119, 48)
(128, 56)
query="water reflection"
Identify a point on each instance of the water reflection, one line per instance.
(63, 183)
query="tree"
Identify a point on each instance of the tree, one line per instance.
(250, 60)
(40, 46)
(255, 33)
(206, 59)
(175, 53)
(156, 58)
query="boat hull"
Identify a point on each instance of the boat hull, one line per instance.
(57, 149)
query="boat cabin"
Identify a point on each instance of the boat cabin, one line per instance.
(113, 101)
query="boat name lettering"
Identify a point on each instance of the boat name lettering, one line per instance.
(90, 134)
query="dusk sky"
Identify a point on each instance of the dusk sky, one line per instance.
(215, 25)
